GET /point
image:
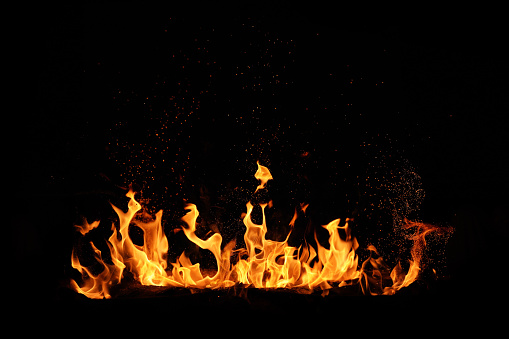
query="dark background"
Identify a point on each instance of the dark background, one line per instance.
(356, 116)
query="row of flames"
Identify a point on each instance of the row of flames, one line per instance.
(263, 263)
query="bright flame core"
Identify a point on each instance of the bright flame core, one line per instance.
(263, 263)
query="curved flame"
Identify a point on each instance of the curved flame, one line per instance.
(263, 263)
(263, 175)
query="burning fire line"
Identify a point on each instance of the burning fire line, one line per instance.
(263, 263)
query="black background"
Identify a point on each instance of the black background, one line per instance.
(441, 111)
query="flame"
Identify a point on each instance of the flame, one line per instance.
(263, 263)
(86, 227)
(263, 175)
(399, 277)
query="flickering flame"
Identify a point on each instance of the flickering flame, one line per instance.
(401, 279)
(263, 175)
(263, 263)
(86, 227)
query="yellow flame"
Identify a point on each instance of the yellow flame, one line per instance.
(263, 175)
(263, 263)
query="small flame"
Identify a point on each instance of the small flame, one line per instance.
(263, 263)
(399, 277)
(86, 227)
(263, 175)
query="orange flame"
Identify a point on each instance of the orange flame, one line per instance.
(399, 277)
(263, 263)
(263, 175)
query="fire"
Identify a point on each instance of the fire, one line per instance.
(263, 175)
(263, 263)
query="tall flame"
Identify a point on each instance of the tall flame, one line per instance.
(263, 263)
